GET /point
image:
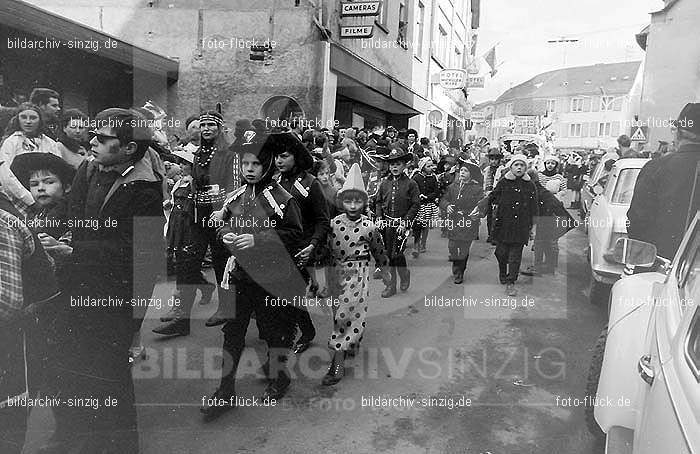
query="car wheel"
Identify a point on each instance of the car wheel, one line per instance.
(592, 384)
(599, 292)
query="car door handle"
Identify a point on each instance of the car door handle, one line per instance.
(645, 369)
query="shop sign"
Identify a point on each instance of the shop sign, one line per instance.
(477, 117)
(357, 9)
(357, 31)
(451, 79)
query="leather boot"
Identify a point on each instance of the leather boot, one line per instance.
(221, 315)
(336, 371)
(223, 399)
(390, 289)
(277, 387)
(405, 276)
(177, 327)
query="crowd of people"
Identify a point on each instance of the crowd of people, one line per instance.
(92, 207)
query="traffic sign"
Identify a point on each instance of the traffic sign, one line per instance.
(359, 9)
(357, 31)
(475, 81)
(639, 134)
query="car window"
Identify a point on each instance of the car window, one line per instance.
(624, 188)
(688, 270)
(692, 345)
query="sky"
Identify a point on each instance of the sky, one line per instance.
(605, 28)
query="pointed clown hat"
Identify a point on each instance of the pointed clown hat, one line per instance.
(353, 182)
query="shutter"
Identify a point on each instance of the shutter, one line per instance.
(584, 129)
(564, 130)
(594, 129)
(586, 104)
(615, 129)
(617, 104)
(595, 103)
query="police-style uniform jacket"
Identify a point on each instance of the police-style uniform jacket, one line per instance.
(398, 197)
(315, 217)
(273, 217)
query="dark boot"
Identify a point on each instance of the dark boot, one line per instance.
(405, 276)
(423, 240)
(416, 248)
(177, 327)
(390, 289)
(277, 387)
(223, 399)
(221, 315)
(207, 290)
(336, 371)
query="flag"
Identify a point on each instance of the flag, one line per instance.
(490, 58)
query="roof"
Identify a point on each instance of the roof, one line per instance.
(615, 78)
(36, 21)
(669, 4)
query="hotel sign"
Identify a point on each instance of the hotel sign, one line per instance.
(357, 31)
(359, 9)
(451, 79)
(475, 81)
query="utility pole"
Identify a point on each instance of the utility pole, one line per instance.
(563, 40)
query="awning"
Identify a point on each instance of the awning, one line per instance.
(362, 82)
(36, 21)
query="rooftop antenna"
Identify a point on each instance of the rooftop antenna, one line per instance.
(563, 40)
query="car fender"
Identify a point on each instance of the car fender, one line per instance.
(619, 385)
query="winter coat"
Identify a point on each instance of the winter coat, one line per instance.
(460, 226)
(515, 201)
(662, 200)
(553, 220)
(428, 187)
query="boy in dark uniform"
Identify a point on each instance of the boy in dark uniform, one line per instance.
(262, 230)
(396, 206)
(293, 162)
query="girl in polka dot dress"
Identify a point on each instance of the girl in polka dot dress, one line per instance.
(353, 242)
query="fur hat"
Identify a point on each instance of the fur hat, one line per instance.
(552, 157)
(516, 158)
(353, 182)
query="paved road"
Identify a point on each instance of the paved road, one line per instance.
(509, 364)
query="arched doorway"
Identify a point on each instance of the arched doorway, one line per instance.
(278, 110)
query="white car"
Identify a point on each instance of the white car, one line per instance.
(645, 387)
(607, 222)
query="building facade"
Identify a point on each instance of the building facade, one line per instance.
(670, 78)
(274, 59)
(584, 107)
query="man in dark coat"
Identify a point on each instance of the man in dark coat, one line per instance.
(116, 211)
(661, 205)
(515, 201)
(396, 207)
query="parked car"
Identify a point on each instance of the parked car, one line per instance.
(607, 222)
(644, 379)
(588, 193)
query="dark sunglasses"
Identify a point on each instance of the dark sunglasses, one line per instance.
(102, 138)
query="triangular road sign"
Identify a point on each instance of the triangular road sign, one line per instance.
(638, 134)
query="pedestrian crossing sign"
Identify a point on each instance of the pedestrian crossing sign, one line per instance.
(638, 134)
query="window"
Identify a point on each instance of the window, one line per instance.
(692, 345)
(401, 37)
(575, 130)
(605, 129)
(551, 105)
(577, 104)
(420, 19)
(457, 63)
(607, 103)
(443, 47)
(624, 189)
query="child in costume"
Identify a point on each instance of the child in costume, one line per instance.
(353, 239)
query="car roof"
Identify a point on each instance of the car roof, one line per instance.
(630, 163)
